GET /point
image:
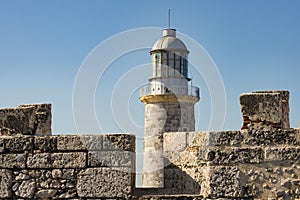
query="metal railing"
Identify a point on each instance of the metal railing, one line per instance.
(160, 89)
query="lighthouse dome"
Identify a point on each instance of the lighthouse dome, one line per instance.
(169, 42)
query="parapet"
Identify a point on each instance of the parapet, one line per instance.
(265, 110)
(30, 119)
(243, 164)
(67, 166)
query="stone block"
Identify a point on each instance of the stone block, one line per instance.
(57, 160)
(32, 119)
(225, 138)
(17, 144)
(5, 183)
(69, 160)
(223, 181)
(45, 143)
(12, 160)
(282, 153)
(265, 110)
(69, 174)
(271, 138)
(45, 193)
(70, 142)
(79, 142)
(124, 142)
(105, 183)
(111, 158)
(182, 181)
(219, 156)
(26, 189)
(39, 160)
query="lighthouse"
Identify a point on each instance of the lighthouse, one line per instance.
(169, 100)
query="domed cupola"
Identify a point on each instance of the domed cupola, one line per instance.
(169, 60)
(169, 42)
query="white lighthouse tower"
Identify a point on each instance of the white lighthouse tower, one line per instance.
(169, 100)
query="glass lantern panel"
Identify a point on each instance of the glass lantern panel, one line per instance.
(158, 70)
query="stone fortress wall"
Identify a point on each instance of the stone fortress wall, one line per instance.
(261, 161)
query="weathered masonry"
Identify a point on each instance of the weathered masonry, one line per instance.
(261, 161)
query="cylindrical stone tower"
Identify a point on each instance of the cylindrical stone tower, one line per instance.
(169, 100)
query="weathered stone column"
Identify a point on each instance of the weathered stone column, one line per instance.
(265, 110)
(163, 113)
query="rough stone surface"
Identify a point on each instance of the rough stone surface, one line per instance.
(265, 110)
(49, 167)
(234, 164)
(80, 142)
(159, 118)
(45, 143)
(104, 183)
(18, 144)
(26, 189)
(46, 194)
(32, 119)
(124, 142)
(110, 158)
(12, 160)
(69, 160)
(5, 183)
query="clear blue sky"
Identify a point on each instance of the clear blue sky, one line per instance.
(255, 45)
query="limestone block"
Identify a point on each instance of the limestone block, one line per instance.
(45, 193)
(273, 180)
(265, 110)
(12, 160)
(68, 174)
(39, 160)
(57, 160)
(218, 156)
(111, 158)
(5, 183)
(274, 137)
(45, 143)
(225, 138)
(69, 160)
(32, 119)
(17, 144)
(79, 142)
(182, 181)
(124, 142)
(105, 183)
(282, 153)
(26, 189)
(223, 181)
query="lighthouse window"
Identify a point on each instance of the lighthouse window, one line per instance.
(177, 63)
(164, 55)
(171, 63)
(171, 55)
(158, 69)
(157, 56)
(163, 71)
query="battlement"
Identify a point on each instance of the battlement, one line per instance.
(67, 166)
(261, 161)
